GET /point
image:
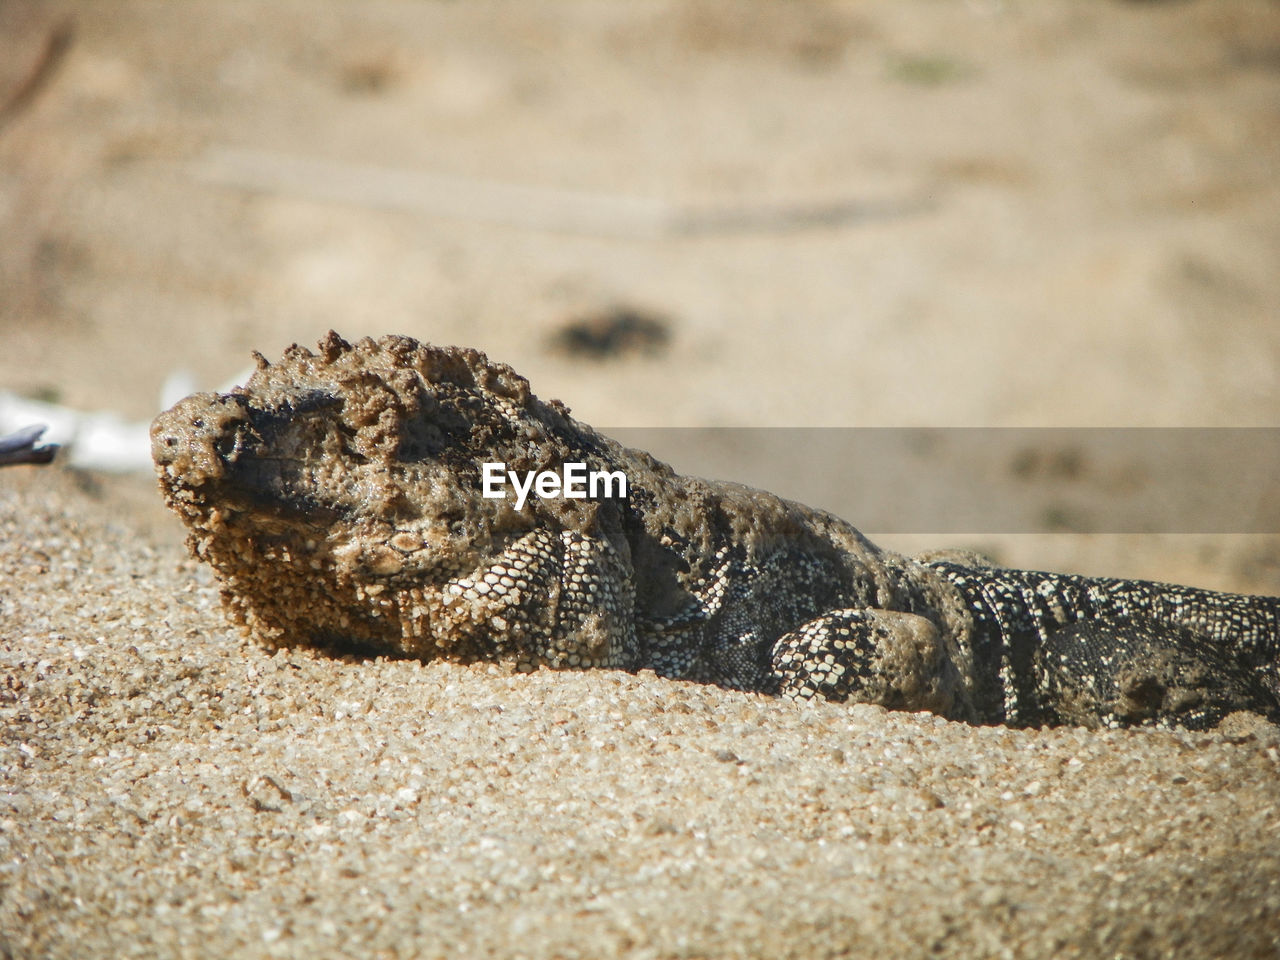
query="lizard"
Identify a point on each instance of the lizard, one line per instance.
(338, 496)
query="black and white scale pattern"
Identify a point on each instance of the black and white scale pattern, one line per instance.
(1129, 652)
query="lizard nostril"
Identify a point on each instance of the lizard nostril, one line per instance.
(195, 434)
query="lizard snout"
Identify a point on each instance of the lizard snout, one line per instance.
(196, 437)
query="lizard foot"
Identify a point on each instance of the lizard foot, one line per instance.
(896, 660)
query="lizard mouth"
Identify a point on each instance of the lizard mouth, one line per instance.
(285, 479)
(246, 513)
(209, 450)
(189, 442)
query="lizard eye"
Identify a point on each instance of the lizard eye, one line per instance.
(311, 402)
(296, 426)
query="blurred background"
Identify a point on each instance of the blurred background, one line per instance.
(727, 213)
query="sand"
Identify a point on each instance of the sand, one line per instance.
(170, 790)
(844, 214)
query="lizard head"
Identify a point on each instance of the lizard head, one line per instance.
(338, 492)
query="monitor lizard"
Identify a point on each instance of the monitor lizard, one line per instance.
(338, 497)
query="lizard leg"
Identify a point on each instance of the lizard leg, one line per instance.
(897, 660)
(1139, 673)
(563, 600)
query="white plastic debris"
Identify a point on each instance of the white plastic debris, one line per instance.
(100, 439)
(93, 441)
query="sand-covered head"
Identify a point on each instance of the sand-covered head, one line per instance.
(333, 478)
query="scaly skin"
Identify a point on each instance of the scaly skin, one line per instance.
(338, 497)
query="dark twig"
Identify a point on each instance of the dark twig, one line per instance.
(20, 446)
(55, 50)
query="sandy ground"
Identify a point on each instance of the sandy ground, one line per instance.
(172, 791)
(844, 214)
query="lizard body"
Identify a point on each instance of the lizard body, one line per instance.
(337, 496)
